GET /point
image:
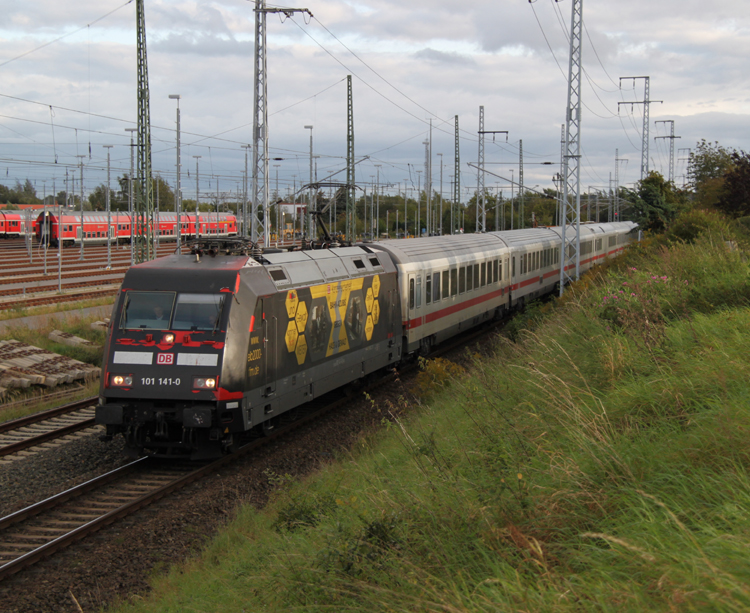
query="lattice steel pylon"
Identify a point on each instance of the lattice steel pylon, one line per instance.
(646, 113)
(143, 202)
(481, 210)
(570, 258)
(260, 228)
(351, 196)
(456, 204)
(671, 138)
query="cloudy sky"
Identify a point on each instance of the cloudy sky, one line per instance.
(68, 87)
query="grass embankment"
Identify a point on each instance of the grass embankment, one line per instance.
(599, 462)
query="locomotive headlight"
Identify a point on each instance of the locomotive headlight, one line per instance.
(204, 383)
(168, 339)
(122, 380)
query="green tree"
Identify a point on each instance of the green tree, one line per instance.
(735, 195)
(98, 198)
(656, 202)
(706, 169)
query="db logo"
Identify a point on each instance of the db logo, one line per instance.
(165, 358)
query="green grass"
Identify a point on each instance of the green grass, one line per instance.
(598, 461)
(15, 313)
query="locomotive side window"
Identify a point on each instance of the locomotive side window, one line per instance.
(147, 310)
(446, 285)
(436, 286)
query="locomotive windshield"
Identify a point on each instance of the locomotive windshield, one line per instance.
(147, 310)
(155, 311)
(197, 311)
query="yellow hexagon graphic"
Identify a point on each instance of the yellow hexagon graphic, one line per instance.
(301, 317)
(369, 327)
(291, 303)
(291, 336)
(376, 285)
(375, 312)
(368, 300)
(301, 350)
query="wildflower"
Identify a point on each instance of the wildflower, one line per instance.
(633, 294)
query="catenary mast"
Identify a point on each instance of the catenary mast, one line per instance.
(143, 207)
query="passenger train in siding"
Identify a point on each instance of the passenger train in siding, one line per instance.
(204, 351)
(13, 224)
(55, 227)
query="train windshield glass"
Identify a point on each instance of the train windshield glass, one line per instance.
(197, 311)
(147, 310)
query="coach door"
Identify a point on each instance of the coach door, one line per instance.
(270, 329)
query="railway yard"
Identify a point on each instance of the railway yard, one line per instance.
(30, 280)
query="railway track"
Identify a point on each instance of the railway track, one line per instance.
(58, 298)
(34, 430)
(40, 530)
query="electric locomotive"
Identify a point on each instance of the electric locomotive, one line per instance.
(203, 349)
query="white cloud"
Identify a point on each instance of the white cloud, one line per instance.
(421, 58)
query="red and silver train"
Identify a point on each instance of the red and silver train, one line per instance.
(66, 227)
(204, 351)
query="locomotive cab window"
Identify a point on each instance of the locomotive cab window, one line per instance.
(198, 311)
(147, 310)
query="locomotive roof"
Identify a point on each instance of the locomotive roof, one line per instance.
(186, 273)
(322, 265)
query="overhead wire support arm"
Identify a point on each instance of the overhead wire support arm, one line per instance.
(646, 102)
(261, 227)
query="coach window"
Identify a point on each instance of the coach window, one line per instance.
(462, 280)
(513, 273)
(428, 290)
(411, 293)
(419, 291)
(454, 281)
(446, 284)
(476, 276)
(436, 287)
(484, 274)
(469, 278)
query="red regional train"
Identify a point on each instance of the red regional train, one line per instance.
(66, 227)
(12, 224)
